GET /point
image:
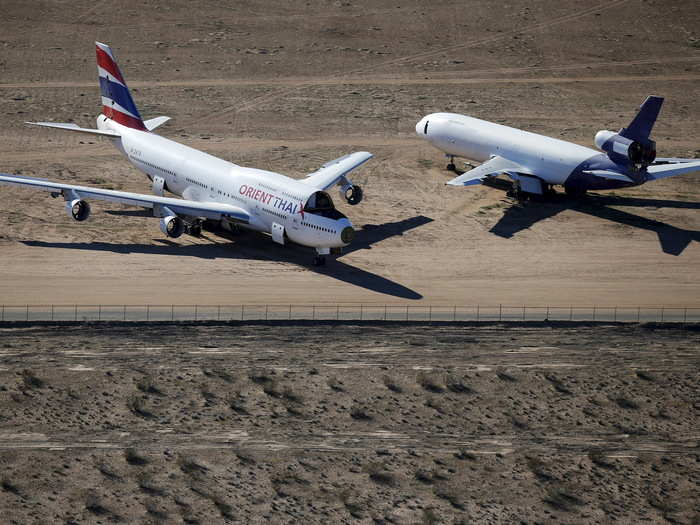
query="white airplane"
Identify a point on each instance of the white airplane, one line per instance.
(211, 188)
(536, 163)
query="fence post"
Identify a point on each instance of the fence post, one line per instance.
(571, 313)
(430, 313)
(685, 313)
(75, 312)
(313, 312)
(195, 312)
(638, 310)
(615, 315)
(523, 312)
(242, 308)
(454, 313)
(406, 312)
(218, 312)
(546, 318)
(3, 312)
(266, 307)
(500, 312)
(52, 312)
(99, 312)
(172, 312)
(594, 313)
(385, 312)
(361, 313)
(337, 312)
(290, 312)
(148, 312)
(27, 312)
(124, 313)
(662, 314)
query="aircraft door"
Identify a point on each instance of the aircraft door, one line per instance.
(277, 231)
(158, 185)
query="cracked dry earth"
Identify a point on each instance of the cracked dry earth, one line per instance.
(349, 423)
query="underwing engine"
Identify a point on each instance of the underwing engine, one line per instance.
(353, 194)
(172, 226)
(78, 209)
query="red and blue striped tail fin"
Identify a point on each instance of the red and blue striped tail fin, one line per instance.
(117, 103)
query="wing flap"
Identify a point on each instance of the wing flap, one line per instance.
(494, 166)
(669, 170)
(209, 210)
(331, 172)
(67, 126)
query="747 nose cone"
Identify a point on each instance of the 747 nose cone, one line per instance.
(347, 235)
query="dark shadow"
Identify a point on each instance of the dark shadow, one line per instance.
(250, 245)
(141, 212)
(521, 216)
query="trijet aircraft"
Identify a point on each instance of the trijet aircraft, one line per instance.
(211, 188)
(537, 163)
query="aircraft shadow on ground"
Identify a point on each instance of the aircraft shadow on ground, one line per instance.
(249, 245)
(672, 240)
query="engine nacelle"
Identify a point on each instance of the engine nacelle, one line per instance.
(78, 209)
(172, 226)
(622, 149)
(353, 194)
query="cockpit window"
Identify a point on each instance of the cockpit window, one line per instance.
(425, 129)
(320, 203)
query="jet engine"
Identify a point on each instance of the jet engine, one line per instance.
(353, 194)
(622, 149)
(172, 226)
(78, 209)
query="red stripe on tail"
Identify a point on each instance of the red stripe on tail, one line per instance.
(123, 119)
(105, 62)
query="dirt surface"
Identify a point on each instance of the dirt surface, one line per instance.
(289, 87)
(371, 423)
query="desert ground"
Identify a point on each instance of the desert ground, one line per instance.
(289, 87)
(349, 423)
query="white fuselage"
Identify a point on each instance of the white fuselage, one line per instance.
(269, 198)
(552, 160)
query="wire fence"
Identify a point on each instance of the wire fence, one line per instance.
(346, 312)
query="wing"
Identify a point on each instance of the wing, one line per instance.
(331, 172)
(67, 126)
(494, 166)
(209, 210)
(662, 171)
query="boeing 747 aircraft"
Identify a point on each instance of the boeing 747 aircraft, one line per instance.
(211, 188)
(536, 163)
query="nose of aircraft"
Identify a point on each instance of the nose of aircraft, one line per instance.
(420, 125)
(347, 234)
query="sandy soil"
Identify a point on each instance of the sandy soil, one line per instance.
(349, 424)
(287, 88)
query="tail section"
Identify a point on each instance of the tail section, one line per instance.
(640, 127)
(117, 103)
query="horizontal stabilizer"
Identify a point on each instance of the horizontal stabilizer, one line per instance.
(67, 126)
(607, 174)
(669, 170)
(153, 123)
(495, 166)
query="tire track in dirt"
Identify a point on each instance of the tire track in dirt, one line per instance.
(604, 443)
(409, 58)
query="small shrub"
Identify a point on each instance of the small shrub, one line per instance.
(563, 500)
(133, 457)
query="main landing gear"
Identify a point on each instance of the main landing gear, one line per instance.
(194, 228)
(451, 166)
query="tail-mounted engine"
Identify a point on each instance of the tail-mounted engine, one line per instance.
(172, 226)
(639, 154)
(78, 209)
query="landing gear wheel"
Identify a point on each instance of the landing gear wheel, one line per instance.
(320, 260)
(194, 229)
(451, 167)
(353, 195)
